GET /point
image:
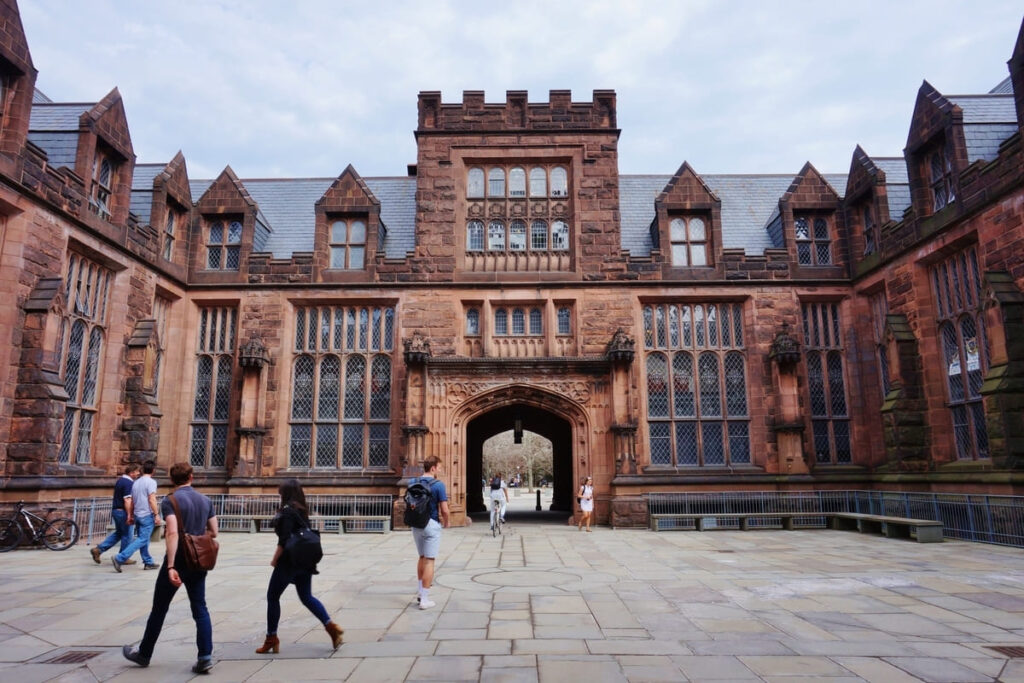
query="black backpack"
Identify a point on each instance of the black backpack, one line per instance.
(495, 483)
(418, 498)
(303, 546)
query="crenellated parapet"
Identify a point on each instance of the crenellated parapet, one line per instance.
(473, 114)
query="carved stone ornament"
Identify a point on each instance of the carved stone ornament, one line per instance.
(496, 210)
(253, 354)
(476, 209)
(460, 392)
(785, 348)
(417, 349)
(517, 209)
(621, 349)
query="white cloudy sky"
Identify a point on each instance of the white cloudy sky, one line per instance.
(303, 88)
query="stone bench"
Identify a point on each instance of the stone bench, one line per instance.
(924, 530)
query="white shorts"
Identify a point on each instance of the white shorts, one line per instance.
(428, 539)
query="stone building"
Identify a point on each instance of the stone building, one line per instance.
(665, 332)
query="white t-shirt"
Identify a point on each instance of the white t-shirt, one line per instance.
(141, 489)
(499, 492)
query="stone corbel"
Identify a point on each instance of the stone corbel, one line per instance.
(417, 349)
(621, 349)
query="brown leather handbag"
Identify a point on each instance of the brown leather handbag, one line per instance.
(200, 551)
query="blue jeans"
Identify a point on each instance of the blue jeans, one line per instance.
(303, 580)
(163, 593)
(140, 542)
(122, 530)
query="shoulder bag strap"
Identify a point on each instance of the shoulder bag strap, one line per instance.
(174, 504)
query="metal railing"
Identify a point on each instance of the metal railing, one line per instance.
(969, 517)
(236, 511)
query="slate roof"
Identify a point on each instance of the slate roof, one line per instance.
(897, 184)
(749, 203)
(142, 190)
(39, 97)
(61, 148)
(54, 127)
(57, 117)
(988, 120)
(1005, 87)
(287, 205)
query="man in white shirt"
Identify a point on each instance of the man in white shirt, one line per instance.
(145, 514)
(499, 492)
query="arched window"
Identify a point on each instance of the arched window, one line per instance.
(830, 426)
(472, 322)
(475, 183)
(536, 326)
(564, 321)
(539, 236)
(496, 182)
(475, 236)
(518, 322)
(380, 388)
(496, 236)
(501, 322)
(517, 182)
(355, 385)
(559, 236)
(517, 236)
(559, 182)
(538, 182)
(212, 398)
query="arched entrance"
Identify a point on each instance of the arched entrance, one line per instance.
(555, 429)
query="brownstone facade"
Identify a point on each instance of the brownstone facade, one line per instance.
(680, 332)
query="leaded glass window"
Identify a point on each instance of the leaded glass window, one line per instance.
(80, 353)
(102, 184)
(475, 236)
(496, 236)
(879, 311)
(513, 321)
(564, 321)
(223, 245)
(472, 323)
(559, 182)
(517, 236)
(870, 236)
(211, 404)
(940, 174)
(689, 238)
(826, 384)
(813, 240)
(517, 182)
(341, 387)
(170, 226)
(559, 236)
(538, 182)
(475, 183)
(539, 235)
(348, 244)
(496, 182)
(536, 326)
(697, 408)
(961, 324)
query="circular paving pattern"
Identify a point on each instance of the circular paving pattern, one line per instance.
(524, 577)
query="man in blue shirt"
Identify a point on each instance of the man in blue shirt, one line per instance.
(428, 539)
(119, 514)
(142, 511)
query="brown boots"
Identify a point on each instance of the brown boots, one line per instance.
(334, 631)
(271, 644)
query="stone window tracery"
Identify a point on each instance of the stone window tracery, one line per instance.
(80, 354)
(697, 409)
(223, 245)
(830, 423)
(348, 244)
(517, 321)
(813, 240)
(341, 401)
(211, 404)
(956, 282)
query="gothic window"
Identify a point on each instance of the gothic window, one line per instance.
(103, 169)
(475, 236)
(501, 322)
(513, 321)
(212, 397)
(879, 310)
(517, 236)
(539, 235)
(536, 326)
(830, 423)
(870, 236)
(559, 182)
(475, 183)
(518, 322)
(348, 244)
(517, 182)
(564, 321)
(697, 409)
(161, 309)
(538, 182)
(559, 236)
(496, 182)
(341, 388)
(813, 240)
(80, 354)
(496, 236)
(223, 245)
(170, 233)
(472, 323)
(689, 241)
(961, 325)
(940, 176)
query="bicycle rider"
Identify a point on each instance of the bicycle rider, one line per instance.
(499, 494)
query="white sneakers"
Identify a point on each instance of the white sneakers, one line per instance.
(427, 604)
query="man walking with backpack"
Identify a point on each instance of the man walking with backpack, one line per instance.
(427, 537)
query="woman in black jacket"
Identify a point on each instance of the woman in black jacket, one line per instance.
(292, 515)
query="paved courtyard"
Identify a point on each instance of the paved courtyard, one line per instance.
(548, 603)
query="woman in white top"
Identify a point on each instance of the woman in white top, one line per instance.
(586, 502)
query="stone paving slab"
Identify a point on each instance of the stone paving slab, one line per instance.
(547, 603)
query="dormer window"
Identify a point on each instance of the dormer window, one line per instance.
(348, 244)
(689, 241)
(223, 248)
(870, 238)
(170, 227)
(940, 169)
(102, 184)
(813, 240)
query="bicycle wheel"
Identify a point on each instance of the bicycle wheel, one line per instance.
(10, 534)
(59, 534)
(494, 520)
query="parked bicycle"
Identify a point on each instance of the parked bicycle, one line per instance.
(496, 520)
(55, 534)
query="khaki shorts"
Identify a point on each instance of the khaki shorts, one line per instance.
(428, 539)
